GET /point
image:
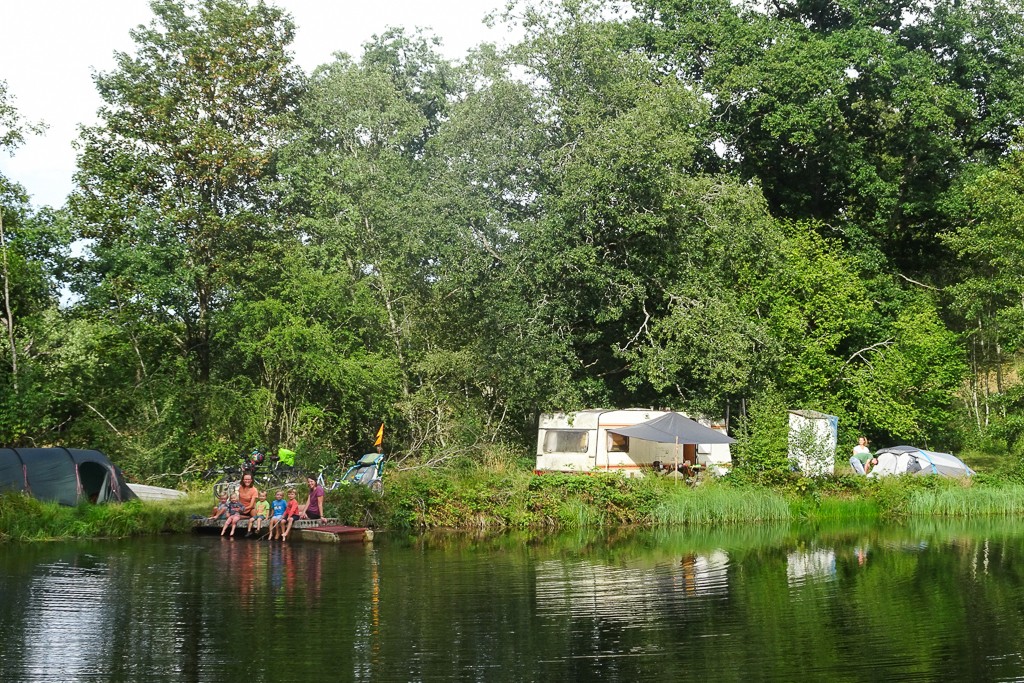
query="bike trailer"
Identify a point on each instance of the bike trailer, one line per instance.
(366, 471)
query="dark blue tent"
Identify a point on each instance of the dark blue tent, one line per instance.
(63, 475)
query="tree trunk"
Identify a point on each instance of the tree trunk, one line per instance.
(8, 313)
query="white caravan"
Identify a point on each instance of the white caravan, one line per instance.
(581, 442)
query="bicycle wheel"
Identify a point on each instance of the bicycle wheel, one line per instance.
(228, 482)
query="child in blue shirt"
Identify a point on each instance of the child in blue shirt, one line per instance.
(277, 508)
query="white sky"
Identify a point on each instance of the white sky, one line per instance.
(49, 49)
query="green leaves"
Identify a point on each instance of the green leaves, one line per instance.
(906, 385)
(991, 240)
(179, 165)
(700, 206)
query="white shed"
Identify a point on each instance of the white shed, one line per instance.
(812, 441)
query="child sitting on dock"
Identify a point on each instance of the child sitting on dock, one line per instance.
(291, 512)
(260, 512)
(277, 509)
(220, 510)
(235, 509)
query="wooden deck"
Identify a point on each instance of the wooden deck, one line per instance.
(316, 530)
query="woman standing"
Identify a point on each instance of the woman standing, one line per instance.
(314, 507)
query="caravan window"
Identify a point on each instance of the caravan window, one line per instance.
(617, 443)
(566, 441)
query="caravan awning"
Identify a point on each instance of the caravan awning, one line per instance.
(673, 428)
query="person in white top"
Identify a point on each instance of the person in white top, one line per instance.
(861, 461)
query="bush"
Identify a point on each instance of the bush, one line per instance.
(761, 450)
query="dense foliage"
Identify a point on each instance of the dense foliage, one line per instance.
(706, 205)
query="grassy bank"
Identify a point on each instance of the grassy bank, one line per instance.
(481, 499)
(490, 498)
(26, 519)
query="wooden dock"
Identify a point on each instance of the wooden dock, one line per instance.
(316, 530)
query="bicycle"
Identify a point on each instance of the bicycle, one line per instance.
(228, 480)
(283, 476)
(332, 475)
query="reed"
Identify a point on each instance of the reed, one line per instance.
(26, 519)
(834, 508)
(710, 504)
(967, 501)
(577, 514)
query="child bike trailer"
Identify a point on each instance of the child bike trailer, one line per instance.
(368, 471)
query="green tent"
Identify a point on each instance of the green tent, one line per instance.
(64, 475)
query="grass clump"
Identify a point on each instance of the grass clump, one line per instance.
(23, 518)
(479, 498)
(967, 501)
(832, 508)
(714, 504)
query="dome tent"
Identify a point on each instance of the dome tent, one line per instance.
(896, 460)
(64, 475)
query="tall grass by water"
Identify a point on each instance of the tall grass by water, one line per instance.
(23, 518)
(831, 508)
(482, 497)
(964, 501)
(709, 505)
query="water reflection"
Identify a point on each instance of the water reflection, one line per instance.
(806, 564)
(72, 622)
(764, 603)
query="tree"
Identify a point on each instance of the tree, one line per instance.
(33, 245)
(357, 185)
(176, 198)
(990, 297)
(905, 388)
(174, 182)
(14, 204)
(858, 115)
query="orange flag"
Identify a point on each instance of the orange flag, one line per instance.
(380, 435)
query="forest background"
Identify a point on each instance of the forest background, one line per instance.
(724, 208)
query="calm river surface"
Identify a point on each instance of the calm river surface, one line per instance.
(929, 601)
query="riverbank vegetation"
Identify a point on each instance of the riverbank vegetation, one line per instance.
(23, 518)
(479, 499)
(484, 501)
(707, 206)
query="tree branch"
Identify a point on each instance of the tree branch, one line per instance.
(915, 282)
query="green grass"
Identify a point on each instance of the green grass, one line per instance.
(26, 519)
(834, 508)
(982, 460)
(577, 514)
(710, 504)
(964, 501)
(479, 497)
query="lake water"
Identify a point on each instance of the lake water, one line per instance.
(929, 601)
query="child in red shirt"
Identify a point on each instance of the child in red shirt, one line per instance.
(291, 512)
